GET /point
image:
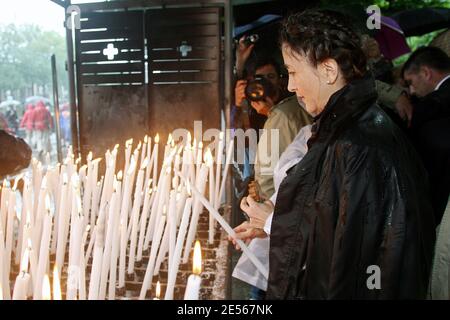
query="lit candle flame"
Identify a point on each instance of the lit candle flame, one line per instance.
(129, 142)
(158, 290)
(139, 146)
(197, 265)
(169, 139)
(116, 147)
(157, 138)
(89, 157)
(145, 139)
(46, 293)
(120, 175)
(56, 284)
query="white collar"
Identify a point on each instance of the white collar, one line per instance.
(441, 82)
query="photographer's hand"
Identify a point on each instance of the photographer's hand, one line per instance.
(263, 107)
(239, 92)
(242, 53)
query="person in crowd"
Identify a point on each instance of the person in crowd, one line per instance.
(42, 126)
(352, 219)
(427, 75)
(11, 117)
(27, 124)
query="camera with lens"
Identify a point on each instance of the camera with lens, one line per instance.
(251, 39)
(259, 88)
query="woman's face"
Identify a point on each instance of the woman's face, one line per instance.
(309, 83)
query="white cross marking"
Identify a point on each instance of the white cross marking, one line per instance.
(184, 49)
(110, 51)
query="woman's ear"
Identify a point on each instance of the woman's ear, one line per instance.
(329, 70)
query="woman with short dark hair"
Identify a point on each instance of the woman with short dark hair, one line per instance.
(352, 219)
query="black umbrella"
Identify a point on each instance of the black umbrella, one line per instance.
(416, 22)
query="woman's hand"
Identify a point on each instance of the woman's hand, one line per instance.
(246, 232)
(257, 212)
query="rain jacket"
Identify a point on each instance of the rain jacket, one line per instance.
(27, 119)
(356, 201)
(42, 119)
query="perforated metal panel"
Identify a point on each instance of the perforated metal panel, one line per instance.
(111, 49)
(185, 68)
(147, 71)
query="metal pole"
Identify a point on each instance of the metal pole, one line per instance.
(230, 198)
(56, 106)
(72, 90)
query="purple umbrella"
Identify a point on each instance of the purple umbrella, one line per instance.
(391, 39)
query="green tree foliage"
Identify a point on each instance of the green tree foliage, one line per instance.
(25, 53)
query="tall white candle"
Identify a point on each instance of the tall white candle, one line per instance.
(210, 164)
(228, 229)
(218, 169)
(148, 200)
(155, 160)
(23, 280)
(4, 277)
(61, 224)
(124, 219)
(46, 291)
(10, 228)
(106, 261)
(172, 216)
(115, 243)
(135, 217)
(201, 184)
(97, 261)
(227, 165)
(56, 284)
(43, 252)
(151, 262)
(194, 281)
(4, 205)
(173, 270)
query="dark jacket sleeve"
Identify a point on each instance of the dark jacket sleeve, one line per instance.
(434, 106)
(15, 154)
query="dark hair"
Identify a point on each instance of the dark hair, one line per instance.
(427, 56)
(259, 60)
(323, 34)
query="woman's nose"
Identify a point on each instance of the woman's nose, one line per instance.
(291, 86)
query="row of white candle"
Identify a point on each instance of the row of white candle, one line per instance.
(55, 208)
